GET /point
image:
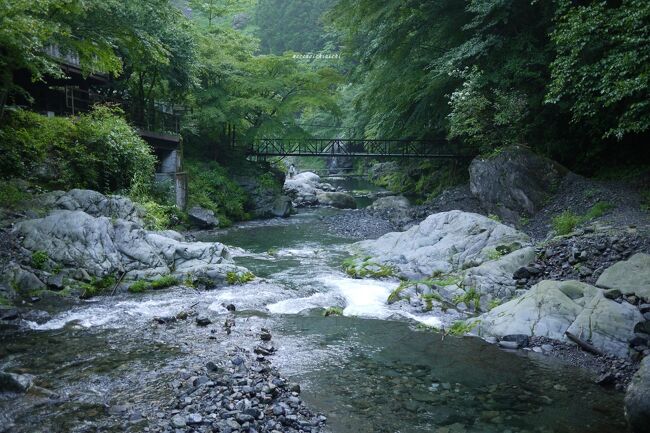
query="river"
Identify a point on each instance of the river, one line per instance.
(376, 369)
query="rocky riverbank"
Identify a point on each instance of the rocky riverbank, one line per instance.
(239, 392)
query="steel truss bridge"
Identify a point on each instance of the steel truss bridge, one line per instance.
(342, 147)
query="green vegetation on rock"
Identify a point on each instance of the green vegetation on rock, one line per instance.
(333, 311)
(236, 278)
(157, 284)
(366, 268)
(97, 286)
(39, 259)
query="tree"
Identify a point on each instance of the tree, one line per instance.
(602, 65)
(28, 27)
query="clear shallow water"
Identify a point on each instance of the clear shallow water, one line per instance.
(365, 374)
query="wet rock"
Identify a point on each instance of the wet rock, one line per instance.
(231, 307)
(520, 339)
(606, 379)
(265, 335)
(339, 200)
(203, 321)
(202, 218)
(9, 314)
(10, 382)
(282, 207)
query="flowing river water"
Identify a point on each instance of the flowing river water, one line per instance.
(372, 370)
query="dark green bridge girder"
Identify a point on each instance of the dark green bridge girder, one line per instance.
(343, 147)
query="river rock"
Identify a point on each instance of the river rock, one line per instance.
(282, 207)
(514, 182)
(551, 308)
(631, 276)
(495, 277)
(607, 324)
(302, 188)
(547, 310)
(444, 243)
(101, 246)
(391, 203)
(339, 200)
(202, 218)
(10, 382)
(637, 399)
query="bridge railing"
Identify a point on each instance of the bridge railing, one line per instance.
(355, 147)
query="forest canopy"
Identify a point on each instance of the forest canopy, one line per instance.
(567, 78)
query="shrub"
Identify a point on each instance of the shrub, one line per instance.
(11, 194)
(39, 259)
(97, 286)
(236, 278)
(598, 210)
(333, 311)
(564, 223)
(211, 187)
(97, 150)
(462, 327)
(471, 297)
(157, 284)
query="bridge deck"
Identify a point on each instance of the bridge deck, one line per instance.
(356, 148)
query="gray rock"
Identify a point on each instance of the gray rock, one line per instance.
(551, 308)
(515, 182)
(203, 321)
(100, 246)
(445, 242)
(194, 418)
(630, 277)
(93, 203)
(282, 207)
(178, 421)
(202, 218)
(607, 324)
(10, 382)
(339, 200)
(547, 310)
(494, 277)
(392, 203)
(637, 399)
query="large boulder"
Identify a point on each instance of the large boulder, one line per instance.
(202, 218)
(302, 188)
(514, 182)
(100, 246)
(444, 243)
(551, 308)
(282, 207)
(263, 189)
(339, 200)
(93, 203)
(631, 276)
(607, 324)
(637, 399)
(17, 383)
(494, 278)
(546, 310)
(397, 202)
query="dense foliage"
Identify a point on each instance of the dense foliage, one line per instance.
(568, 78)
(98, 150)
(292, 25)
